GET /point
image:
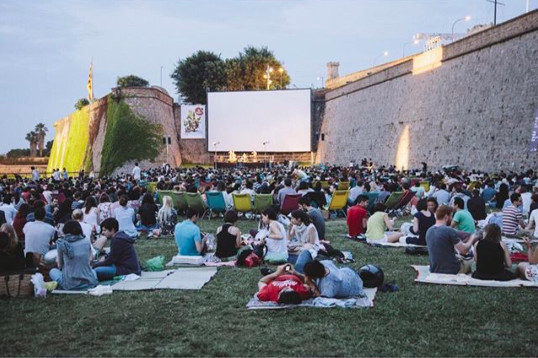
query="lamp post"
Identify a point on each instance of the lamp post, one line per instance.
(414, 42)
(215, 155)
(267, 75)
(385, 54)
(161, 76)
(265, 155)
(466, 18)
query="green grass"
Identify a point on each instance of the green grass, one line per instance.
(418, 320)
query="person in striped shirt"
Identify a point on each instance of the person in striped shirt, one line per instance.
(512, 218)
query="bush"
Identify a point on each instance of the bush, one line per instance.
(132, 81)
(81, 103)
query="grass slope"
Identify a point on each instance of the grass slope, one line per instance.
(418, 320)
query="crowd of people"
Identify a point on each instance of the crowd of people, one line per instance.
(78, 216)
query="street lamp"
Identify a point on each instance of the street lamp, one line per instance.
(320, 78)
(466, 18)
(161, 76)
(385, 54)
(414, 42)
(267, 76)
(215, 155)
(265, 155)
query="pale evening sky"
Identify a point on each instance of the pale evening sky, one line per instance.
(46, 46)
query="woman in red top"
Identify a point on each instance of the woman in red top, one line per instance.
(20, 220)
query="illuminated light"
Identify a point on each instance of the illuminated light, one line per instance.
(427, 61)
(402, 154)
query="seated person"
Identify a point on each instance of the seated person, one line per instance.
(477, 206)
(315, 216)
(357, 215)
(11, 254)
(167, 216)
(276, 239)
(38, 237)
(188, 237)
(122, 258)
(529, 270)
(378, 223)
(422, 221)
(441, 240)
(75, 253)
(148, 214)
(492, 256)
(284, 286)
(125, 217)
(463, 220)
(228, 236)
(330, 281)
(306, 243)
(512, 217)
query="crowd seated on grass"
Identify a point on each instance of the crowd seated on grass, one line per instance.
(148, 205)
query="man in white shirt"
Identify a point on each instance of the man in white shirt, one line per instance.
(355, 192)
(35, 174)
(9, 210)
(38, 235)
(136, 172)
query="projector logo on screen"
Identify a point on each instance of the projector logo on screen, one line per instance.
(193, 121)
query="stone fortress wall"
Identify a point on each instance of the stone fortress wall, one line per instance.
(470, 103)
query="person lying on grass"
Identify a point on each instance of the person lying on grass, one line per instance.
(285, 286)
(327, 280)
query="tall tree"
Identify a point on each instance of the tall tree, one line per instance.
(32, 138)
(253, 68)
(41, 132)
(196, 74)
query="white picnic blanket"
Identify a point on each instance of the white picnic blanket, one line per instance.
(425, 276)
(390, 244)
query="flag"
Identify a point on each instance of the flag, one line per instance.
(90, 83)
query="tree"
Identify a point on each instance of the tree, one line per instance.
(132, 81)
(17, 153)
(248, 71)
(48, 148)
(198, 73)
(81, 103)
(41, 132)
(32, 138)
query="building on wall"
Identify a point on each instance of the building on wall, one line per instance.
(81, 138)
(471, 103)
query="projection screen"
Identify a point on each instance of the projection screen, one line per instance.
(243, 121)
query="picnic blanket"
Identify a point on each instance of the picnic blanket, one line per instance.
(178, 279)
(425, 276)
(321, 302)
(390, 244)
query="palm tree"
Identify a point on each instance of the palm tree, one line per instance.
(41, 131)
(33, 139)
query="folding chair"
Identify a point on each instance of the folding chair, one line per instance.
(195, 201)
(242, 203)
(162, 193)
(215, 202)
(343, 185)
(262, 201)
(179, 201)
(152, 186)
(339, 201)
(290, 203)
(425, 185)
(394, 199)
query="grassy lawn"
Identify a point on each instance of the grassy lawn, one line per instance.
(418, 320)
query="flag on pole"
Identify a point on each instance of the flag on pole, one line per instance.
(90, 83)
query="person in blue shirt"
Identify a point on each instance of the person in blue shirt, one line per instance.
(188, 237)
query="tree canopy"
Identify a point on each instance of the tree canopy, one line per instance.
(81, 103)
(132, 81)
(252, 69)
(198, 73)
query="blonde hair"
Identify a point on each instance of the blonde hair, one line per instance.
(165, 213)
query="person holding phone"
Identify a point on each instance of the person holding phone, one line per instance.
(285, 286)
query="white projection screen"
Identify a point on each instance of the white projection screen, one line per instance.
(242, 121)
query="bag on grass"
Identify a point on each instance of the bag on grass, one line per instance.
(247, 258)
(155, 264)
